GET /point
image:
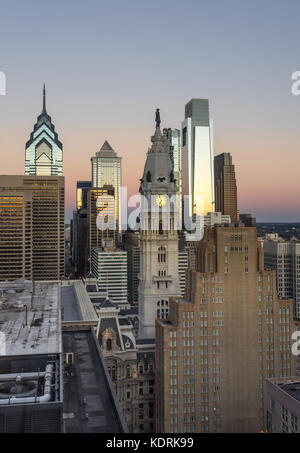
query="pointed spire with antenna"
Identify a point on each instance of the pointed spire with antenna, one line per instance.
(44, 100)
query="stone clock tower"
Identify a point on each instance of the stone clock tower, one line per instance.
(159, 278)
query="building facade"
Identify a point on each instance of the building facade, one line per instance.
(32, 227)
(283, 397)
(44, 151)
(223, 340)
(159, 278)
(284, 257)
(109, 266)
(197, 158)
(182, 268)
(82, 188)
(132, 247)
(101, 219)
(106, 171)
(225, 186)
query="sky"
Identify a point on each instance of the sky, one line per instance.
(108, 65)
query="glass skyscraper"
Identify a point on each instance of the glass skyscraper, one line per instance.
(43, 151)
(82, 189)
(197, 157)
(106, 171)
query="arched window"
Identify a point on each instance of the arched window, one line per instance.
(108, 344)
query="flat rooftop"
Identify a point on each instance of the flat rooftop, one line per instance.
(76, 303)
(35, 330)
(90, 403)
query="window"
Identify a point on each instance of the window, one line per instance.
(108, 344)
(162, 309)
(162, 255)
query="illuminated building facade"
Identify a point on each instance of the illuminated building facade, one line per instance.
(197, 157)
(106, 171)
(82, 188)
(32, 228)
(101, 217)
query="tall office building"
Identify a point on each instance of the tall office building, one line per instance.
(100, 218)
(80, 227)
(82, 188)
(106, 171)
(43, 151)
(32, 227)
(225, 186)
(221, 343)
(173, 139)
(197, 157)
(182, 268)
(132, 247)
(284, 257)
(109, 266)
(159, 278)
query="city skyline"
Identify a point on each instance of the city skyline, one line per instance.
(112, 94)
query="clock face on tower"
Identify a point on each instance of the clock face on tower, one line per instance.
(161, 200)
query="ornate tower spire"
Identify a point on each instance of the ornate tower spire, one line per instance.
(44, 100)
(44, 151)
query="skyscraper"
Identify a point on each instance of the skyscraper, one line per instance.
(284, 257)
(173, 139)
(32, 227)
(159, 278)
(43, 151)
(197, 157)
(106, 171)
(82, 188)
(225, 186)
(109, 266)
(221, 343)
(101, 218)
(132, 246)
(80, 227)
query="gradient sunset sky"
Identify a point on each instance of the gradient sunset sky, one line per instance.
(108, 65)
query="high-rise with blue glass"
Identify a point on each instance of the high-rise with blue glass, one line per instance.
(43, 151)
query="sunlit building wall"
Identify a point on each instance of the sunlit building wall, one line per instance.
(82, 188)
(106, 171)
(101, 217)
(32, 228)
(197, 157)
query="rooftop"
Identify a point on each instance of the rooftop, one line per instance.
(90, 403)
(35, 330)
(76, 304)
(289, 385)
